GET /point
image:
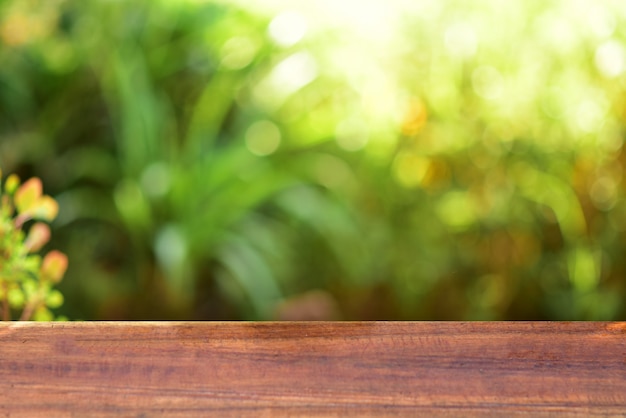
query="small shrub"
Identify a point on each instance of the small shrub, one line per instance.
(27, 279)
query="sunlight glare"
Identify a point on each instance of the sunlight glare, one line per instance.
(288, 28)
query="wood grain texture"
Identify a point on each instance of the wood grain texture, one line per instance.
(153, 369)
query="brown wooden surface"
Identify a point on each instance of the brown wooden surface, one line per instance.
(146, 369)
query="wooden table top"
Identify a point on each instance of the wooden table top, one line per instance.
(256, 369)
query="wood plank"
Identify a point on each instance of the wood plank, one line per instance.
(153, 369)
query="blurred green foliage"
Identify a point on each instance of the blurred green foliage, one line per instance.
(332, 160)
(26, 279)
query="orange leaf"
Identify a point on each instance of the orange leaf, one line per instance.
(53, 266)
(38, 236)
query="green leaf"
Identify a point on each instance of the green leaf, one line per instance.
(11, 184)
(43, 314)
(30, 288)
(54, 266)
(16, 297)
(32, 263)
(54, 299)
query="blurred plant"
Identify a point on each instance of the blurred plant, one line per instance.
(218, 159)
(27, 280)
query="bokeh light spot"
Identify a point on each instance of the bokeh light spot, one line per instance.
(410, 170)
(589, 116)
(352, 134)
(610, 59)
(603, 193)
(487, 82)
(156, 179)
(288, 28)
(290, 75)
(331, 171)
(263, 138)
(457, 210)
(461, 40)
(238, 52)
(171, 248)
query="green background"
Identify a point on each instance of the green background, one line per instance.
(325, 160)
